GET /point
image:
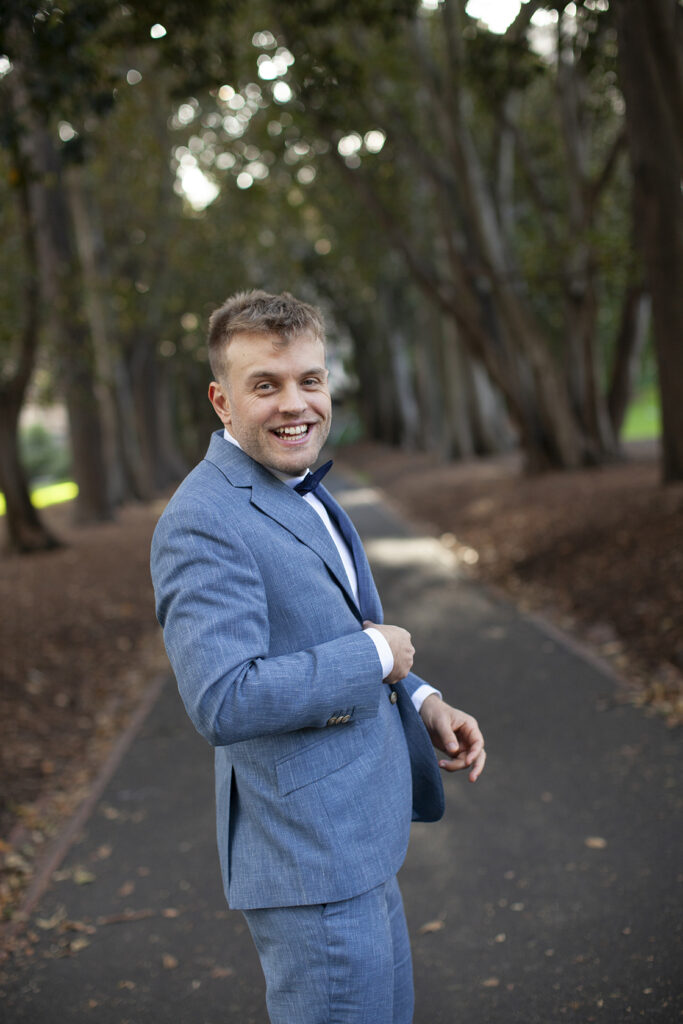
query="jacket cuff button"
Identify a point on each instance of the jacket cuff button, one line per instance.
(393, 697)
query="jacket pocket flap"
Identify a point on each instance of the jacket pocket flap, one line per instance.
(319, 759)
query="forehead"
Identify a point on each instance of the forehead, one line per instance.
(248, 352)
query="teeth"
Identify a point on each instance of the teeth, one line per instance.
(292, 431)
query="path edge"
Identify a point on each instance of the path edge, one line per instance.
(63, 841)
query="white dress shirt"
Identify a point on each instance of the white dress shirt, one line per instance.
(382, 647)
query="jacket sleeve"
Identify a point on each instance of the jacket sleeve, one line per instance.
(413, 682)
(212, 606)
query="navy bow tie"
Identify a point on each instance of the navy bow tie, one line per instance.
(311, 480)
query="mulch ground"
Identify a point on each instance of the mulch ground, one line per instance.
(598, 552)
(80, 644)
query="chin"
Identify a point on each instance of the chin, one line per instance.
(296, 460)
(294, 468)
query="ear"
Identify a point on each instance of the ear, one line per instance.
(219, 400)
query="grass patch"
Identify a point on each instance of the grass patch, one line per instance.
(48, 494)
(643, 419)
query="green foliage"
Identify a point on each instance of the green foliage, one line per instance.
(496, 65)
(644, 419)
(43, 456)
(301, 224)
(74, 52)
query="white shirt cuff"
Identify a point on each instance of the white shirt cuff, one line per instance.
(387, 659)
(421, 695)
(383, 650)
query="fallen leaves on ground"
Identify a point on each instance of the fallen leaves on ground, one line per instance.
(431, 926)
(80, 646)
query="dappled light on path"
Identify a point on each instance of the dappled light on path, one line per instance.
(394, 552)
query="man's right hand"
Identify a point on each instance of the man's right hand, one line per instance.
(401, 647)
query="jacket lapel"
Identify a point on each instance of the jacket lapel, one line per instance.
(371, 607)
(281, 504)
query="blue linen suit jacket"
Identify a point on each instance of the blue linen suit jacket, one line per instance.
(318, 773)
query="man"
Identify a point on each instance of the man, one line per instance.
(274, 629)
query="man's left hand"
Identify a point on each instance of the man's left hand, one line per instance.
(456, 734)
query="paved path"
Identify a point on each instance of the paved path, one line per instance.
(550, 892)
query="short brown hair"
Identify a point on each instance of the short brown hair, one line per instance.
(258, 312)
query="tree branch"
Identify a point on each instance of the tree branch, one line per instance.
(601, 180)
(543, 204)
(521, 22)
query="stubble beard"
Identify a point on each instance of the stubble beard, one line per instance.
(260, 445)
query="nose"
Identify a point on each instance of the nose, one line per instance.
(292, 399)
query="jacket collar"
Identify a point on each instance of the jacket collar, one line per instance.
(281, 503)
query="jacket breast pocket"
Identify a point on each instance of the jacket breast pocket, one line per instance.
(320, 759)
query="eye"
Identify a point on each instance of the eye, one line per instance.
(265, 385)
(310, 382)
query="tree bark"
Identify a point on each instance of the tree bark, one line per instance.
(430, 384)
(459, 433)
(167, 426)
(123, 484)
(656, 162)
(556, 438)
(629, 345)
(580, 271)
(410, 422)
(26, 531)
(60, 290)
(145, 391)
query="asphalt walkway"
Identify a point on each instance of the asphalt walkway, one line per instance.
(550, 892)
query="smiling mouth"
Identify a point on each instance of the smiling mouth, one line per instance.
(292, 433)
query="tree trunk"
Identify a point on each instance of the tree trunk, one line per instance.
(137, 484)
(580, 268)
(653, 145)
(458, 422)
(90, 246)
(408, 420)
(143, 375)
(60, 289)
(505, 166)
(167, 430)
(25, 530)
(492, 431)
(557, 439)
(368, 405)
(628, 349)
(429, 385)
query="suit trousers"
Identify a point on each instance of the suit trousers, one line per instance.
(347, 962)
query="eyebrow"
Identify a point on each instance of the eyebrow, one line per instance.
(313, 372)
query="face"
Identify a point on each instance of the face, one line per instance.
(275, 400)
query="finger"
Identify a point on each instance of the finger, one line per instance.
(453, 764)
(478, 767)
(446, 741)
(469, 730)
(475, 750)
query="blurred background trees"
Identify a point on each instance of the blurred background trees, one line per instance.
(491, 221)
